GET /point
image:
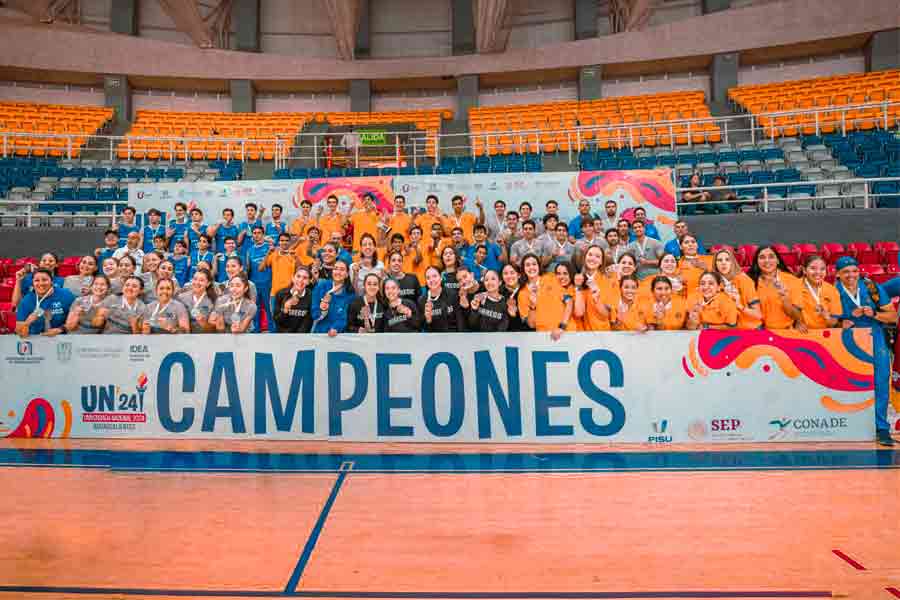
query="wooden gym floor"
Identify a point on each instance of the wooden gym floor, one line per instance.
(151, 519)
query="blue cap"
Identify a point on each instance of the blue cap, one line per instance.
(846, 261)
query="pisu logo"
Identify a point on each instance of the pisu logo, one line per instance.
(659, 433)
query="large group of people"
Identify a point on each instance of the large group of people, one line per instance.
(369, 271)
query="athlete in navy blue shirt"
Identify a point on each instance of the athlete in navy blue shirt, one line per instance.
(44, 310)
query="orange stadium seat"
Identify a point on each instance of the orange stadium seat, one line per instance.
(608, 122)
(44, 125)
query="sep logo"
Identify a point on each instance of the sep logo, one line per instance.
(659, 433)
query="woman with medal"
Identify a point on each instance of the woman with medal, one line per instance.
(668, 267)
(127, 268)
(512, 282)
(543, 301)
(779, 291)
(199, 300)
(331, 301)
(820, 302)
(710, 307)
(293, 304)
(49, 262)
(596, 291)
(488, 310)
(565, 276)
(628, 313)
(234, 266)
(165, 314)
(400, 314)
(665, 311)
(740, 287)
(366, 264)
(864, 303)
(366, 312)
(407, 282)
(235, 309)
(439, 306)
(84, 310)
(122, 314)
(43, 311)
(109, 266)
(148, 273)
(80, 284)
(449, 264)
(691, 265)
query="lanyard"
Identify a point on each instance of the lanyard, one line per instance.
(38, 311)
(127, 308)
(708, 302)
(855, 298)
(815, 294)
(198, 300)
(159, 309)
(373, 313)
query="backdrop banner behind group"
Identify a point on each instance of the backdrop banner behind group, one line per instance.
(659, 387)
(654, 190)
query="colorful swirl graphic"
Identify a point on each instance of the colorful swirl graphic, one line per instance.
(653, 187)
(840, 361)
(37, 422)
(317, 190)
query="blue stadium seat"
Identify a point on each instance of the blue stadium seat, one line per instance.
(354, 172)
(316, 173)
(370, 172)
(389, 171)
(281, 174)
(425, 170)
(299, 173)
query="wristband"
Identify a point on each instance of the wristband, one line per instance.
(563, 325)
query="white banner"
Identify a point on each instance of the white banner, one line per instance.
(709, 386)
(653, 190)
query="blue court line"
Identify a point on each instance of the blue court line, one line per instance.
(87, 591)
(507, 462)
(292, 583)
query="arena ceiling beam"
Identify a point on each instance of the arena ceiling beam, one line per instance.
(492, 24)
(45, 11)
(187, 18)
(344, 15)
(629, 15)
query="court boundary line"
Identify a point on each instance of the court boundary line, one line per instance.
(430, 595)
(310, 545)
(893, 591)
(844, 557)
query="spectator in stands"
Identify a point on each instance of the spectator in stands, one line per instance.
(83, 311)
(132, 248)
(740, 287)
(722, 198)
(235, 310)
(254, 260)
(400, 314)
(693, 195)
(710, 307)
(647, 250)
(122, 314)
(24, 277)
(196, 229)
(80, 284)
(331, 301)
(778, 289)
(245, 230)
(640, 216)
(165, 314)
(202, 254)
(464, 220)
(224, 229)
(610, 218)
(275, 227)
(153, 228)
(529, 244)
(820, 303)
(177, 226)
(865, 304)
(562, 250)
(44, 309)
(110, 245)
(200, 301)
(127, 225)
(584, 215)
(673, 246)
(628, 314)
(667, 312)
(366, 312)
(439, 306)
(181, 262)
(293, 304)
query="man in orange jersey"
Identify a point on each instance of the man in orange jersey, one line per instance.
(364, 220)
(431, 215)
(415, 253)
(300, 226)
(400, 222)
(464, 220)
(331, 220)
(282, 262)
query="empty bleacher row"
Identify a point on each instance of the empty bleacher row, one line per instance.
(49, 130)
(516, 163)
